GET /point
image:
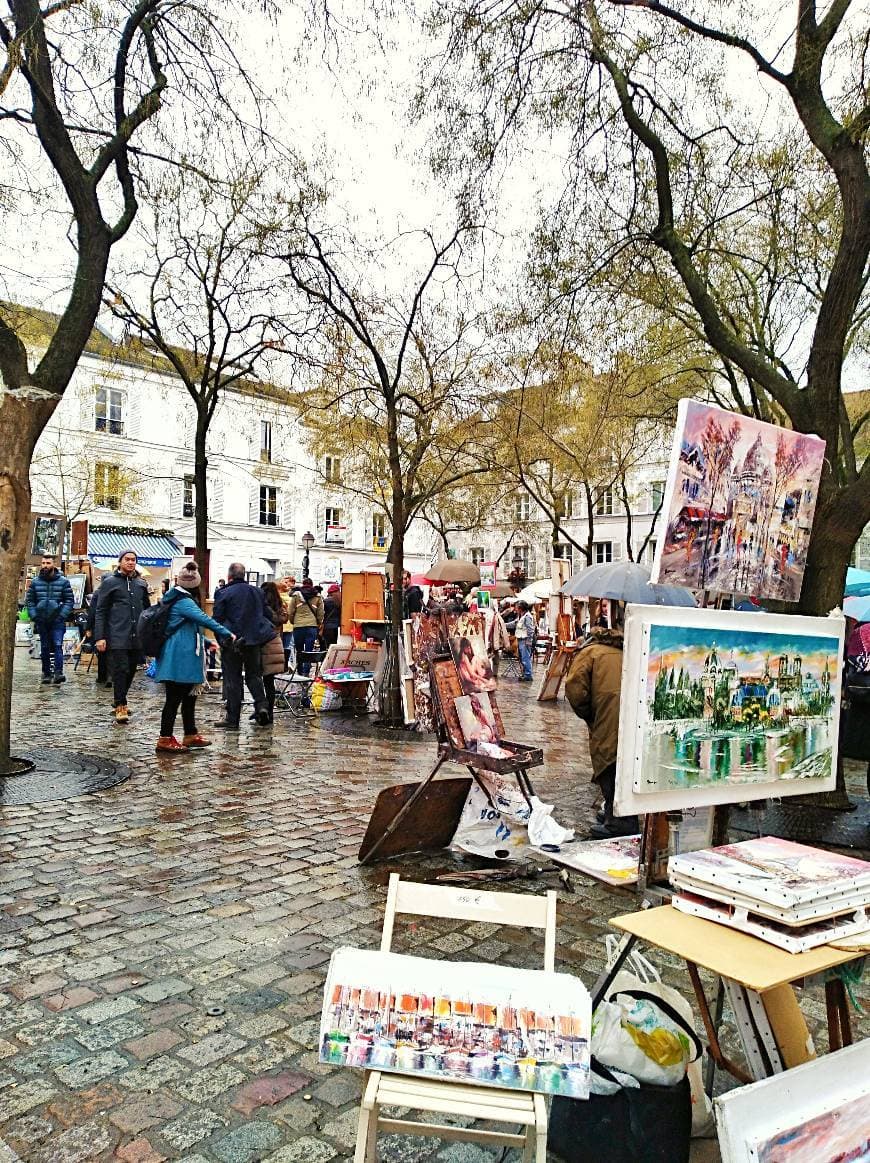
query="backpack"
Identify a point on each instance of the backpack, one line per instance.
(152, 629)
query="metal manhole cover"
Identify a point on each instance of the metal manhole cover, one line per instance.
(60, 775)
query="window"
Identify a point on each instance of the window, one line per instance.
(529, 566)
(603, 551)
(604, 504)
(187, 504)
(269, 505)
(563, 551)
(334, 532)
(651, 550)
(266, 441)
(379, 531)
(107, 486)
(332, 469)
(109, 411)
(658, 495)
(478, 554)
(522, 507)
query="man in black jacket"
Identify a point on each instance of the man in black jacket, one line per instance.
(241, 608)
(122, 598)
(49, 603)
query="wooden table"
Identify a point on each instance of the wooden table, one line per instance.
(758, 978)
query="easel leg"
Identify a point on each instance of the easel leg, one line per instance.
(403, 811)
(717, 1057)
(839, 1022)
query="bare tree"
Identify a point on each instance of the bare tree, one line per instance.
(82, 84)
(207, 303)
(394, 375)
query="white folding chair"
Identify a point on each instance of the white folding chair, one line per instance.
(520, 1108)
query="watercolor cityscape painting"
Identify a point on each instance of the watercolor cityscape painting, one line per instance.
(739, 504)
(486, 1024)
(840, 1134)
(741, 706)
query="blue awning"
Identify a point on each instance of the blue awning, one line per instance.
(151, 549)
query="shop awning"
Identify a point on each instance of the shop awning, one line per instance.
(693, 514)
(154, 550)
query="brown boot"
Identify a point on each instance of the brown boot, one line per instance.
(122, 715)
(171, 744)
(196, 740)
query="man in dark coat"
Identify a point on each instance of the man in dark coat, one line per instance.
(49, 603)
(241, 607)
(413, 596)
(122, 598)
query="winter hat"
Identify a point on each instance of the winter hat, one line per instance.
(188, 577)
(124, 553)
(333, 589)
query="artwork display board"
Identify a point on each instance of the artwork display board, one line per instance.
(787, 882)
(490, 1025)
(818, 1112)
(720, 706)
(739, 504)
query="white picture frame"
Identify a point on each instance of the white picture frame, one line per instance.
(649, 779)
(810, 1096)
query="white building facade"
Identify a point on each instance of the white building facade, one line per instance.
(118, 452)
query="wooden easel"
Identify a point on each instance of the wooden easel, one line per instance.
(446, 688)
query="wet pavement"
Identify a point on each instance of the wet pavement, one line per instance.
(163, 943)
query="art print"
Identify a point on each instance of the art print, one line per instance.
(78, 581)
(477, 720)
(818, 1112)
(486, 1024)
(472, 663)
(47, 538)
(719, 706)
(739, 505)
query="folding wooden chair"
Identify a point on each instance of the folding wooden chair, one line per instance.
(293, 690)
(525, 1109)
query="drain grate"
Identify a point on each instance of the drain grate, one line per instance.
(60, 775)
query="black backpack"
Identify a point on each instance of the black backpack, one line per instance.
(152, 629)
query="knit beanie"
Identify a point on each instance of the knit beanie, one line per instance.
(188, 577)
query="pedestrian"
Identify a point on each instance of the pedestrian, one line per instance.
(122, 598)
(593, 687)
(181, 663)
(240, 607)
(285, 587)
(49, 603)
(273, 650)
(413, 595)
(306, 614)
(219, 587)
(331, 616)
(525, 636)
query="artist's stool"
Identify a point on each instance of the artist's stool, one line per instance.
(515, 1107)
(757, 978)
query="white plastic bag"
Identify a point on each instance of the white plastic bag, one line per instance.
(543, 829)
(643, 975)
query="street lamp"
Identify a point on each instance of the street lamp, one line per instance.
(517, 559)
(307, 542)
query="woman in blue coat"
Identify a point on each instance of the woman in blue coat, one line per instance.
(181, 664)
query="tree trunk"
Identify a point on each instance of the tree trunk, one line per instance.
(835, 532)
(22, 418)
(200, 487)
(391, 714)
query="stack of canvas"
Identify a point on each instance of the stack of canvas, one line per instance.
(791, 895)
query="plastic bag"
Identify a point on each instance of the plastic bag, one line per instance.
(151, 669)
(323, 697)
(543, 829)
(644, 976)
(498, 831)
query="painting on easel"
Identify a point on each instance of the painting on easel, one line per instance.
(473, 664)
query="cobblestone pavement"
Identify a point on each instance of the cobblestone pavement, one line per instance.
(164, 942)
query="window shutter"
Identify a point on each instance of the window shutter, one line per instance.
(254, 507)
(217, 502)
(279, 506)
(132, 419)
(87, 400)
(176, 498)
(617, 551)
